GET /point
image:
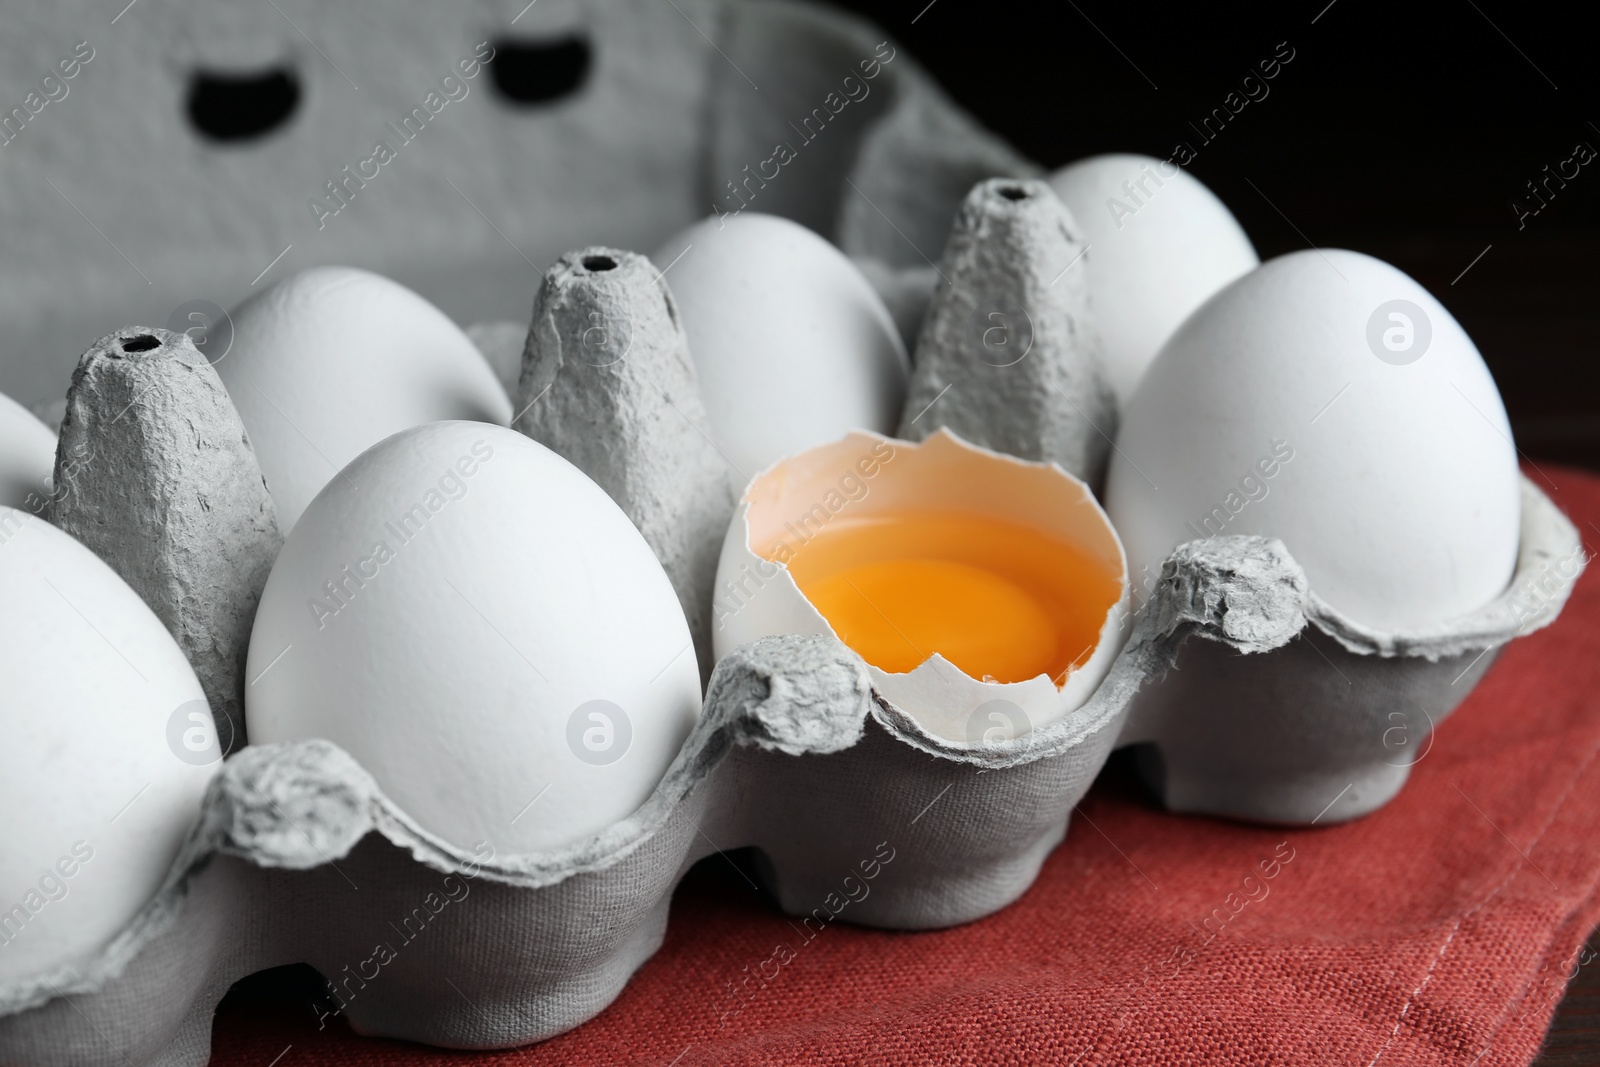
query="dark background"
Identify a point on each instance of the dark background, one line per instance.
(1401, 129)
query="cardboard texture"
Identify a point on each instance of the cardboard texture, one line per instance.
(648, 131)
(157, 476)
(1279, 712)
(1006, 358)
(607, 383)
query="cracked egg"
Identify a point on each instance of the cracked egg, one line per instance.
(965, 578)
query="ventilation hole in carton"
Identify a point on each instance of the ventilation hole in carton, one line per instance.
(599, 263)
(1013, 192)
(143, 343)
(539, 72)
(235, 107)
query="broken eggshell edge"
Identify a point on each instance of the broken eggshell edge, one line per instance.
(757, 597)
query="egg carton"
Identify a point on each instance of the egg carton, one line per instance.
(857, 812)
(1284, 710)
(860, 815)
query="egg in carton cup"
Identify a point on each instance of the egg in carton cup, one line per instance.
(1329, 399)
(479, 761)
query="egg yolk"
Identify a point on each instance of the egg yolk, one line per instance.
(1002, 601)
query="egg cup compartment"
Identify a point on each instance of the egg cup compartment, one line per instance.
(859, 814)
(1327, 727)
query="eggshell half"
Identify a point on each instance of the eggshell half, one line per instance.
(330, 361)
(792, 345)
(27, 457)
(757, 597)
(454, 610)
(1278, 409)
(1160, 244)
(108, 748)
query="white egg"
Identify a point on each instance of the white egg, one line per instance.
(108, 748)
(330, 361)
(792, 344)
(1329, 400)
(27, 456)
(864, 477)
(1160, 243)
(485, 631)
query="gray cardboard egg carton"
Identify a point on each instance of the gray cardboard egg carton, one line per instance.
(860, 815)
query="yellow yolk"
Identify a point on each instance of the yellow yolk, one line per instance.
(1001, 601)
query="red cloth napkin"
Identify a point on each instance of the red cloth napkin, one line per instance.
(1440, 930)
